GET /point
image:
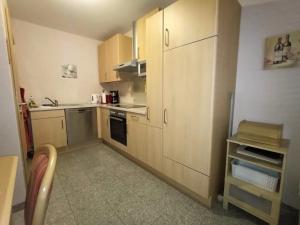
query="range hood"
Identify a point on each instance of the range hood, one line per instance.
(133, 66)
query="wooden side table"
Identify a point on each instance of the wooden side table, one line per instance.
(255, 200)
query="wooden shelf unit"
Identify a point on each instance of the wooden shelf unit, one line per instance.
(274, 198)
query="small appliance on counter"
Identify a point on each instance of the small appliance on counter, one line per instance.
(104, 97)
(115, 97)
(95, 98)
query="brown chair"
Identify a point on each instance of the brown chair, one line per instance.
(40, 185)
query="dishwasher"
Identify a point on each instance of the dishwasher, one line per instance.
(81, 125)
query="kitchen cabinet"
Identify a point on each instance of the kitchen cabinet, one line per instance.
(192, 180)
(144, 141)
(114, 51)
(103, 67)
(49, 127)
(187, 21)
(154, 55)
(105, 129)
(141, 35)
(188, 72)
(136, 136)
(153, 156)
(199, 69)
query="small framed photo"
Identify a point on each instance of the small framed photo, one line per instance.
(69, 71)
(282, 51)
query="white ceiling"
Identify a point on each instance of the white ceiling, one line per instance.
(96, 19)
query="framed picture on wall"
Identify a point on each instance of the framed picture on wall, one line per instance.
(282, 51)
(69, 71)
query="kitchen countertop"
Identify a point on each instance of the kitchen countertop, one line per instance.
(141, 110)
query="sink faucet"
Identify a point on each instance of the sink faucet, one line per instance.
(54, 103)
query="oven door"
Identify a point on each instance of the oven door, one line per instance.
(118, 130)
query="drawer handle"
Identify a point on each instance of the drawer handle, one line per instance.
(62, 124)
(167, 37)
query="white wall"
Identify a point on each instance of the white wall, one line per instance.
(9, 136)
(270, 95)
(41, 52)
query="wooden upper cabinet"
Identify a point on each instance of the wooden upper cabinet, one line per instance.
(141, 34)
(102, 63)
(187, 21)
(114, 51)
(154, 56)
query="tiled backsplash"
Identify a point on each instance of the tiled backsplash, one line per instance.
(132, 91)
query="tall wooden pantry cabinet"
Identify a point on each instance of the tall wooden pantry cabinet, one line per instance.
(199, 69)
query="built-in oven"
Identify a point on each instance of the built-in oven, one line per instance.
(118, 129)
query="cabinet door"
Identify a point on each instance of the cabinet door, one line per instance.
(136, 136)
(112, 58)
(102, 58)
(154, 55)
(105, 130)
(187, 21)
(188, 81)
(141, 35)
(49, 131)
(154, 148)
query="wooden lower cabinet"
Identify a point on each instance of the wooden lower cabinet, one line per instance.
(104, 124)
(153, 156)
(136, 136)
(49, 127)
(144, 141)
(189, 178)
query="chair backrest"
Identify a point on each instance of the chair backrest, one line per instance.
(40, 185)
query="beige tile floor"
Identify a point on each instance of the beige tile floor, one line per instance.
(94, 185)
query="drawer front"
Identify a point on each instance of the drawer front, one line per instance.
(47, 114)
(131, 117)
(193, 180)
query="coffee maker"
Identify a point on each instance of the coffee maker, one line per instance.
(114, 97)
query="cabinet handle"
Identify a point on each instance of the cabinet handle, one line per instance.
(165, 116)
(62, 124)
(167, 37)
(148, 113)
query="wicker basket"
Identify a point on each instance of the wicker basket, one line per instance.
(258, 176)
